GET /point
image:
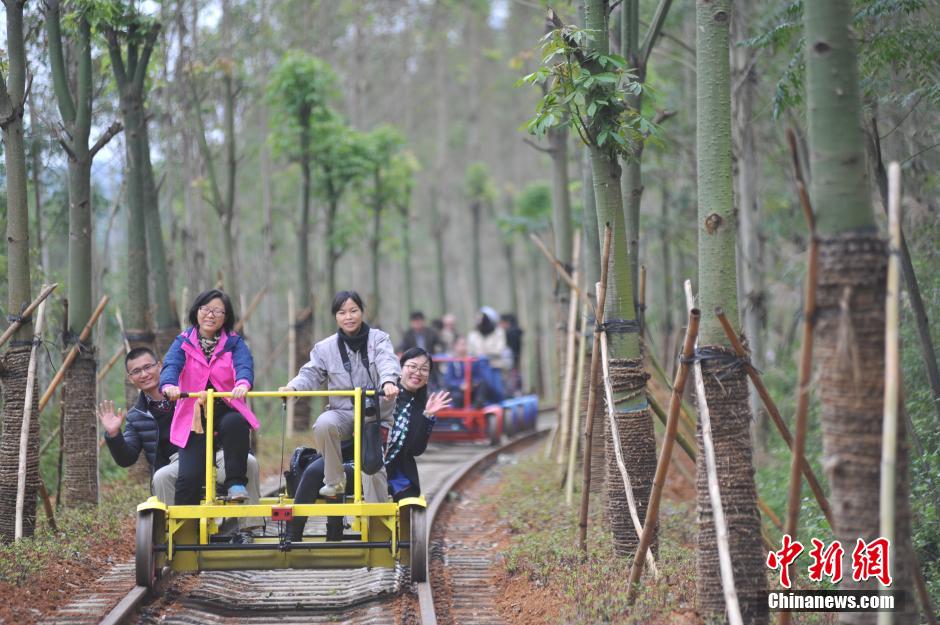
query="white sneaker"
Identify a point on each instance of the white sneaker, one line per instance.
(334, 490)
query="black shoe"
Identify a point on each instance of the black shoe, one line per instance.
(242, 538)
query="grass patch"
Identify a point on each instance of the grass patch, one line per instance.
(544, 548)
(79, 531)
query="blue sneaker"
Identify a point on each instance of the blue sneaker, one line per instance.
(237, 493)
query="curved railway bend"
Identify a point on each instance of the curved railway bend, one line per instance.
(461, 557)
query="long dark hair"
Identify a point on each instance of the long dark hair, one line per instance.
(340, 298)
(421, 395)
(204, 298)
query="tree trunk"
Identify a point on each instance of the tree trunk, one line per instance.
(750, 260)
(669, 353)
(406, 259)
(475, 210)
(304, 327)
(376, 241)
(15, 361)
(727, 396)
(634, 420)
(591, 253)
(850, 304)
(438, 228)
(332, 253)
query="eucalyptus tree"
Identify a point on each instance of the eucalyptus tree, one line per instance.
(850, 304)
(480, 192)
(300, 91)
(726, 384)
(382, 149)
(75, 107)
(587, 90)
(15, 360)
(131, 38)
(637, 52)
(403, 171)
(222, 202)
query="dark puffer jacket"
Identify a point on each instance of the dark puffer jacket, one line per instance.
(141, 431)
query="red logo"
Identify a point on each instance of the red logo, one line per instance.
(826, 561)
(871, 560)
(784, 558)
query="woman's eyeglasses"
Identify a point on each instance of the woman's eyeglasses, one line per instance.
(425, 370)
(212, 312)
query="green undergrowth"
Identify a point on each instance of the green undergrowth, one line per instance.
(544, 548)
(79, 531)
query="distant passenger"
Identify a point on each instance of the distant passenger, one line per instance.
(210, 355)
(420, 335)
(356, 356)
(448, 332)
(510, 326)
(488, 340)
(148, 430)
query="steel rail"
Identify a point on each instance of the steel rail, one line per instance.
(425, 594)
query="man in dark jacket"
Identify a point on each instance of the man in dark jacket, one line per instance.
(420, 335)
(148, 430)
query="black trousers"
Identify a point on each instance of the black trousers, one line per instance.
(232, 432)
(308, 489)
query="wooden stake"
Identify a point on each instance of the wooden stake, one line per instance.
(714, 493)
(24, 429)
(251, 309)
(806, 361)
(618, 453)
(566, 409)
(665, 455)
(576, 412)
(775, 415)
(592, 394)
(291, 355)
(43, 294)
(889, 440)
(111, 362)
(73, 353)
(560, 269)
(120, 321)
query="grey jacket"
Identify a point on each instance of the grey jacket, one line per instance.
(325, 369)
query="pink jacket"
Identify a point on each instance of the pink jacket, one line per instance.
(185, 366)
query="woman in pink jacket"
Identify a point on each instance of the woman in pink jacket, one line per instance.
(210, 355)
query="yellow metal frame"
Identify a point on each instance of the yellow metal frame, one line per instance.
(376, 522)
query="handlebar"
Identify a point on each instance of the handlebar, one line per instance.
(286, 394)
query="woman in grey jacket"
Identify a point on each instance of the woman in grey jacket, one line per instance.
(356, 356)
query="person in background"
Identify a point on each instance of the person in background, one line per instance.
(147, 430)
(420, 335)
(488, 343)
(448, 332)
(510, 326)
(210, 355)
(355, 356)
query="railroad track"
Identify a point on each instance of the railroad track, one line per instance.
(322, 596)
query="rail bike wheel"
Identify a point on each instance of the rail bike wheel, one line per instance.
(149, 562)
(493, 430)
(419, 544)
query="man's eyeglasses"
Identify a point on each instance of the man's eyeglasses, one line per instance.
(212, 312)
(145, 369)
(425, 370)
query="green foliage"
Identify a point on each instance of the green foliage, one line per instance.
(587, 91)
(478, 184)
(897, 41)
(532, 211)
(300, 91)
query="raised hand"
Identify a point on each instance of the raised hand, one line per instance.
(436, 402)
(111, 418)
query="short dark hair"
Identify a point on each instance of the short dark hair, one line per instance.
(415, 352)
(137, 352)
(340, 298)
(417, 315)
(204, 298)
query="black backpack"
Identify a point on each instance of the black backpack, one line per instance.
(299, 461)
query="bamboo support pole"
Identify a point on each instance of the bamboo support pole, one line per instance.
(251, 309)
(14, 326)
(775, 416)
(889, 438)
(120, 321)
(576, 412)
(27, 417)
(24, 428)
(665, 454)
(111, 362)
(685, 410)
(566, 409)
(806, 362)
(714, 493)
(73, 353)
(618, 453)
(560, 269)
(592, 394)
